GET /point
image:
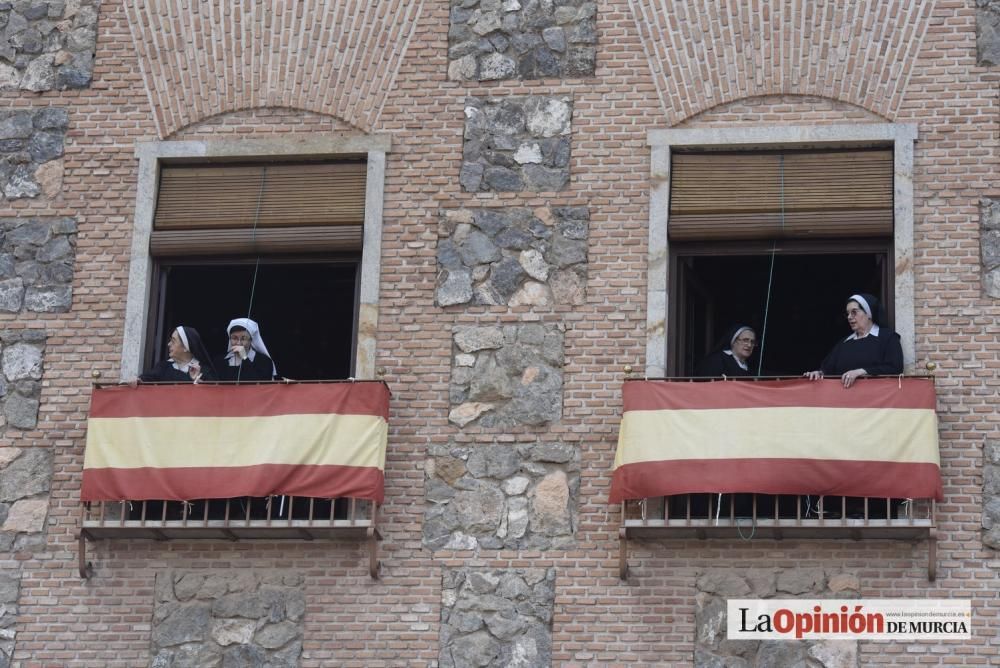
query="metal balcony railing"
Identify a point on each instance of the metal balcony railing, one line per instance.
(245, 518)
(765, 516)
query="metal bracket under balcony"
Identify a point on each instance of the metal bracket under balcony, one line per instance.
(677, 518)
(232, 520)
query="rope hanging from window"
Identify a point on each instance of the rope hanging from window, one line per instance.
(770, 273)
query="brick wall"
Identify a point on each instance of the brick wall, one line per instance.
(395, 81)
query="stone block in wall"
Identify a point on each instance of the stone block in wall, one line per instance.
(989, 245)
(25, 480)
(21, 355)
(716, 586)
(513, 256)
(230, 618)
(10, 588)
(494, 618)
(514, 144)
(47, 44)
(31, 151)
(988, 32)
(521, 39)
(991, 494)
(36, 264)
(507, 376)
(501, 496)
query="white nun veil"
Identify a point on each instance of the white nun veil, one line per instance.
(256, 342)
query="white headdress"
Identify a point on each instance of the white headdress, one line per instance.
(256, 342)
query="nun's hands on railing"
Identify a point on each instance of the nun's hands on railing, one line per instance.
(849, 377)
(813, 375)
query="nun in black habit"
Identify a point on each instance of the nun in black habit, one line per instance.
(732, 358)
(870, 350)
(247, 358)
(187, 361)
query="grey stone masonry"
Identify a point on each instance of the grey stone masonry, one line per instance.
(10, 587)
(21, 353)
(228, 619)
(988, 32)
(989, 244)
(507, 376)
(715, 587)
(513, 256)
(991, 494)
(501, 496)
(25, 480)
(31, 149)
(47, 44)
(516, 143)
(521, 39)
(36, 264)
(497, 618)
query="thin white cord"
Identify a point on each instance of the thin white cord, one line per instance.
(253, 282)
(770, 276)
(253, 287)
(767, 308)
(753, 529)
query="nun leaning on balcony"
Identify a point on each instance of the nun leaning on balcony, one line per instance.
(187, 360)
(870, 350)
(731, 358)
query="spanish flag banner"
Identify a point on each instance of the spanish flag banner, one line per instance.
(180, 442)
(878, 438)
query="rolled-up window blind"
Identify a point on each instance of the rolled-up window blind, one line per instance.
(210, 209)
(781, 195)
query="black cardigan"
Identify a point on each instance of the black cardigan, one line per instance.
(880, 355)
(164, 372)
(720, 364)
(261, 368)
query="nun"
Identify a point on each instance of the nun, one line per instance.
(247, 358)
(732, 358)
(187, 360)
(870, 350)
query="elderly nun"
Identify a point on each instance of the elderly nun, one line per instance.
(187, 360)
(870, 350)
(732, 358)
(247, 358)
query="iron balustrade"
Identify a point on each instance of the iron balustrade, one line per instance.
(245, 518)
(812, 517)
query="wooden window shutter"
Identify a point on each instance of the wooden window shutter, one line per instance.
(211, 209)
(786, 195)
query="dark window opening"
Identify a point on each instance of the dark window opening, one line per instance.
(306, 310)
(808, 289)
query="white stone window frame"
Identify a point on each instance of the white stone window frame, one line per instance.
(151, 156)
(901, 136)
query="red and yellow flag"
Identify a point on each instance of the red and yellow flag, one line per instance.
(179, 442)
(878, 438)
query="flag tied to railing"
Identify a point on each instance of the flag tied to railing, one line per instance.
(878, 438)
(180, 442)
